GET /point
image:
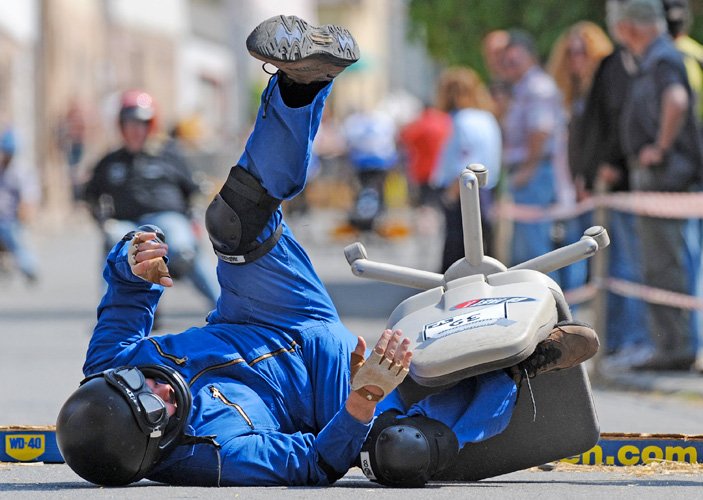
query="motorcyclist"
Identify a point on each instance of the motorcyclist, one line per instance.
(140, 183)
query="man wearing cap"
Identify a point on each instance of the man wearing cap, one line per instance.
(534, 126)
(662, 144)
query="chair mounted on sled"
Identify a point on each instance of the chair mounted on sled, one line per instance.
(481, 316)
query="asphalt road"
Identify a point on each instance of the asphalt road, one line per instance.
(44, 330)
(56, 482)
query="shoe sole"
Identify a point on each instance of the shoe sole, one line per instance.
(305, 53)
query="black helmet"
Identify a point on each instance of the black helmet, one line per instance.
(112, 430)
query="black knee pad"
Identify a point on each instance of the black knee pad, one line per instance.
(407, 452)
(236, 217)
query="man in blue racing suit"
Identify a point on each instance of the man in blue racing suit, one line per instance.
(273, 390)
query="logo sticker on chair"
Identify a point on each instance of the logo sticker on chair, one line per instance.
(494, 315)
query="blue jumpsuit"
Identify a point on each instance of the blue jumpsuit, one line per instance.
(269, 372)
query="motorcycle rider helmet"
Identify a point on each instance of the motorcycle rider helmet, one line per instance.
(113, 429)
(137, 105)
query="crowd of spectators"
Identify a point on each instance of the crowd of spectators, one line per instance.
(604, 112)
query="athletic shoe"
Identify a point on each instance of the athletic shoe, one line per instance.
(303, 52)
(661, 363)
(568, 344)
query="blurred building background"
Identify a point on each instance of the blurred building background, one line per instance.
(65, 58)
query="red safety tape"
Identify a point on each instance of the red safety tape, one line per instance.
(581, 294)
(624, 288)
(654, 295)
(652, 204)
(663, 205)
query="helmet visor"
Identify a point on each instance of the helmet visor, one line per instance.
(136, 114)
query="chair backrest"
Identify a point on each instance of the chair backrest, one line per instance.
(562, 423)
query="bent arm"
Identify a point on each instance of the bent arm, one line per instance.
(673, 114)
(276, 458)
(125, 313)
(675, 102)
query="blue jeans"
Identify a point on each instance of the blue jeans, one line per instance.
(12, 237)
(532, 239)
(695, 235)
(626, 316)
(183, 249)
(694, 258)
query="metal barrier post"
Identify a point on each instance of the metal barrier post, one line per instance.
(599, 276)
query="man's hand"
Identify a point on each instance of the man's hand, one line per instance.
(377, 376)
(145, 256)
(650, 155)
(522, 176)
(607, 175)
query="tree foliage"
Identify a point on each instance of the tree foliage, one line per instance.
(453, 29)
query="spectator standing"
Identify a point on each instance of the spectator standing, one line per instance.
(662, 144)
(572, 63)
(493, 47)
(136, 185)
(601, 164)
(423, 139)
(533, 127)
(71, 132)
(475, 138)
(19, 194)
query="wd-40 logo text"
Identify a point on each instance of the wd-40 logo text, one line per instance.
(25, 447)
(490, 301)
